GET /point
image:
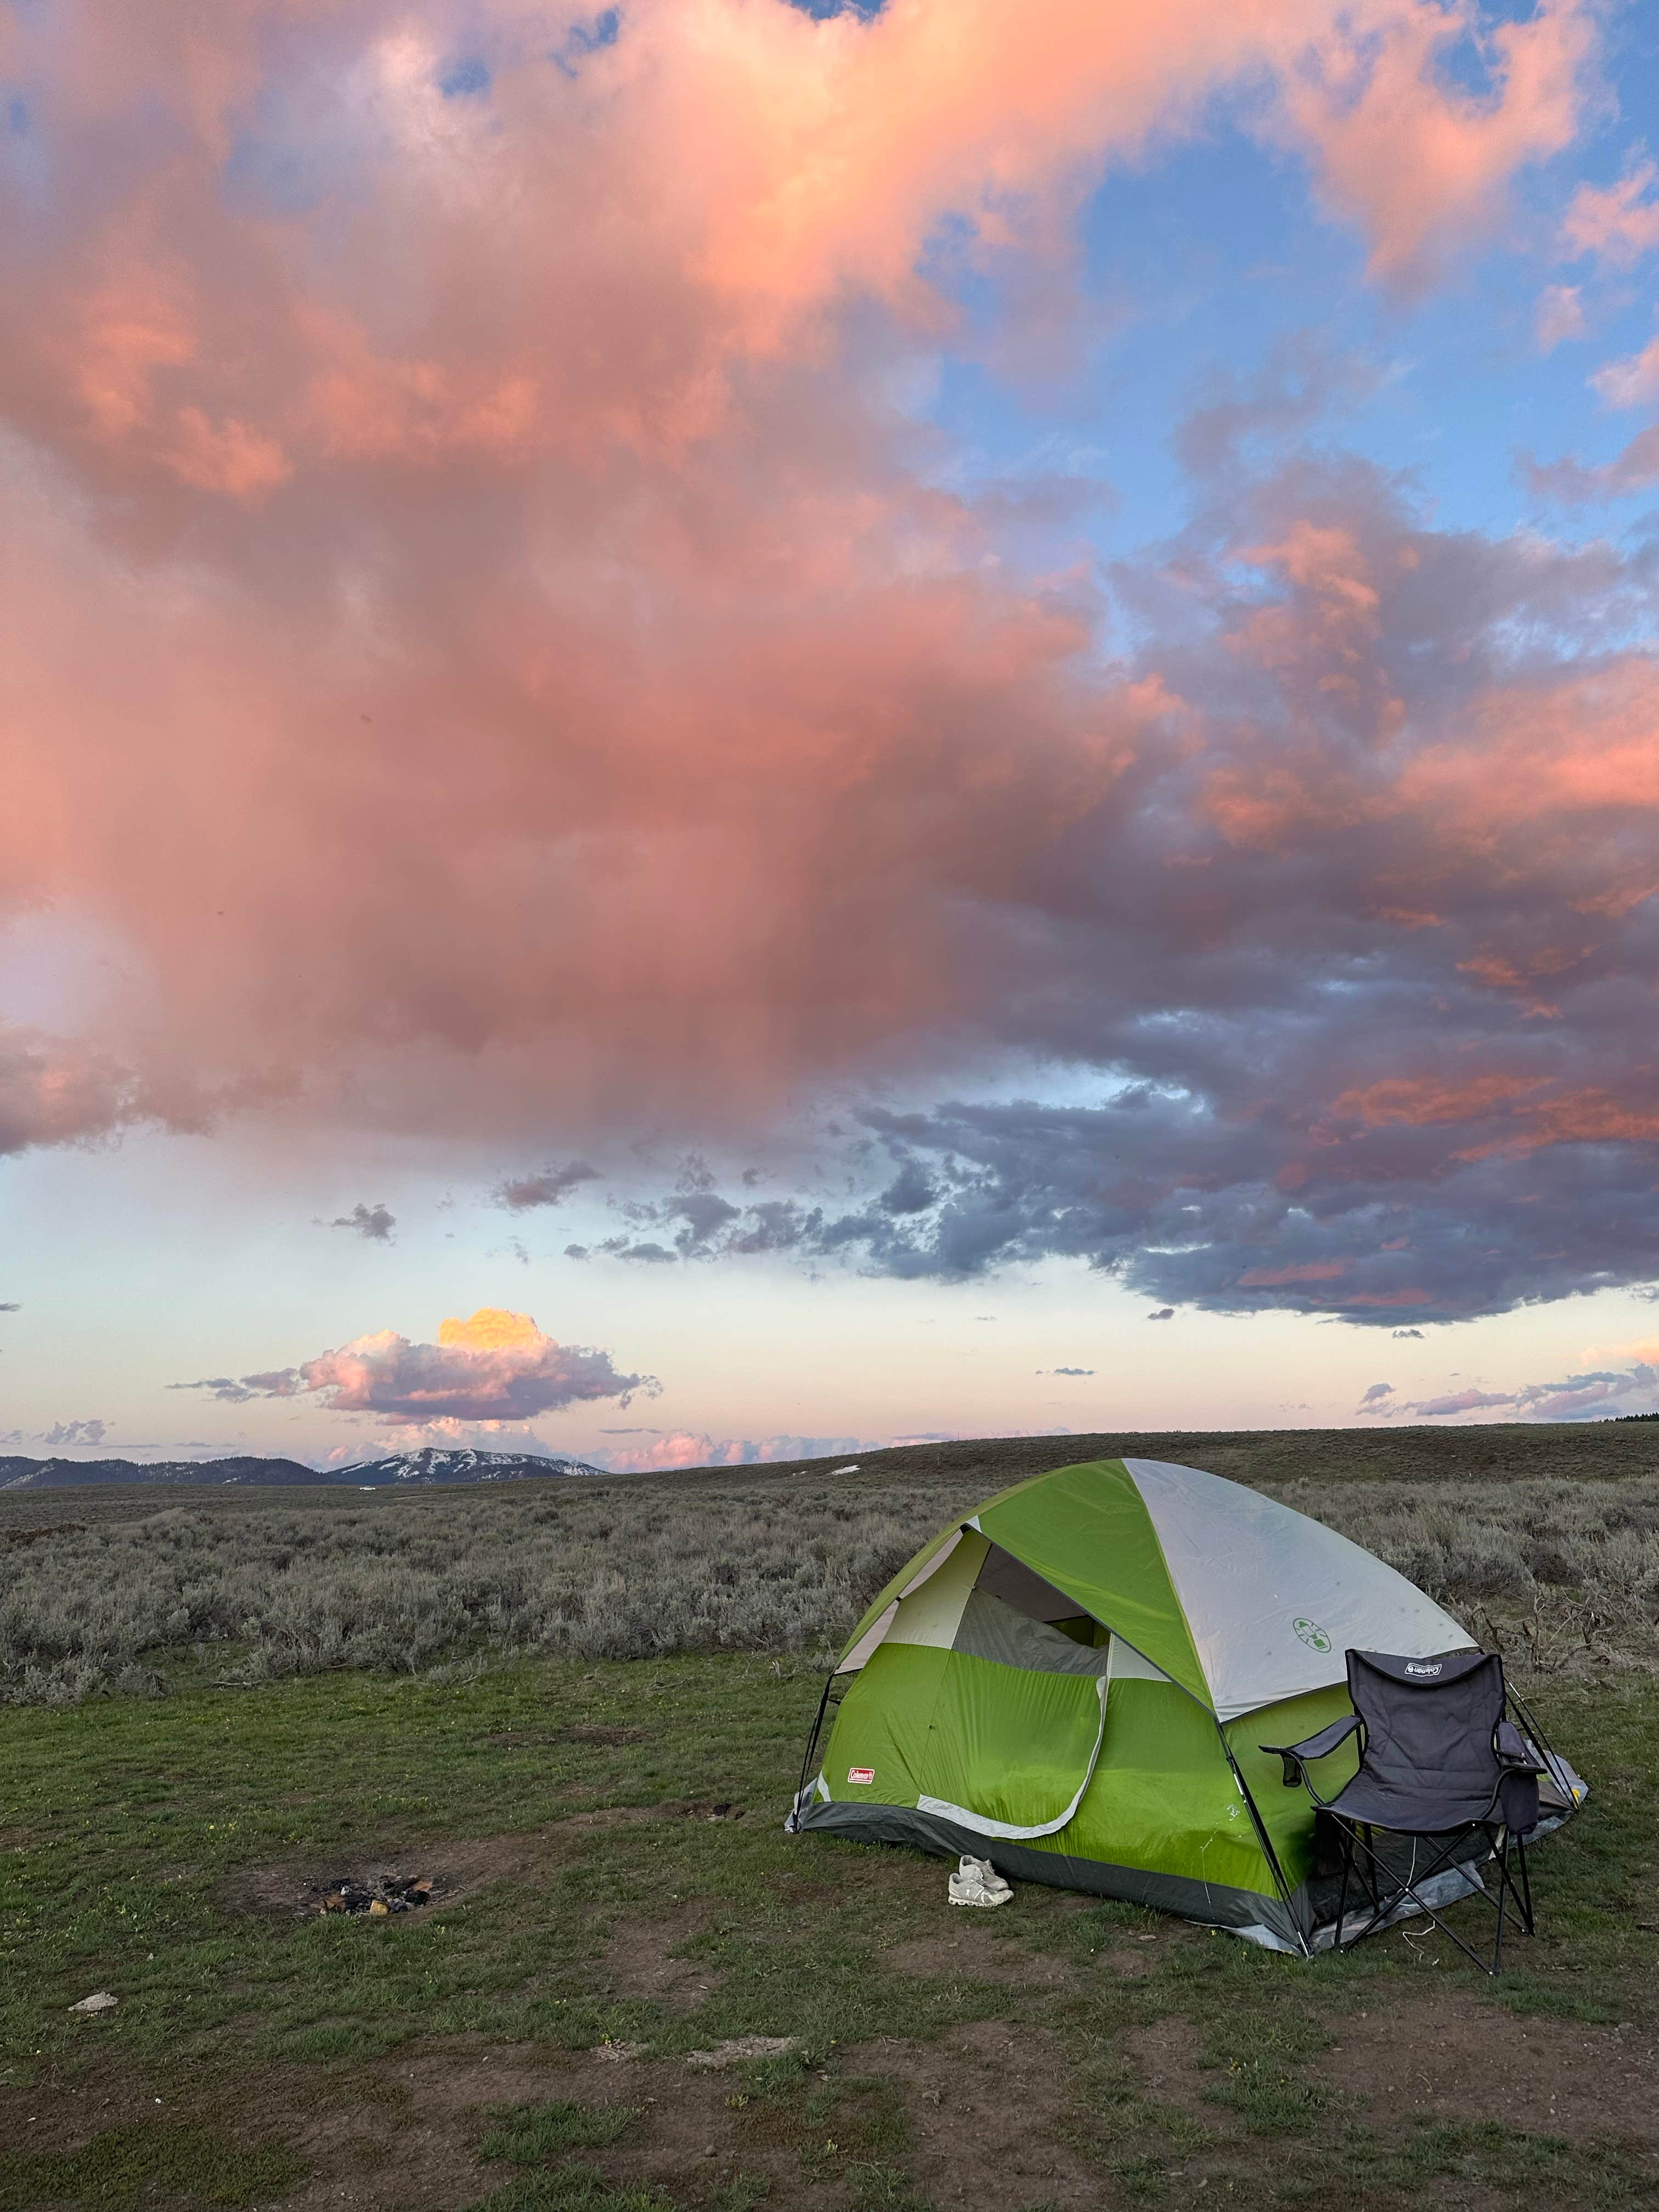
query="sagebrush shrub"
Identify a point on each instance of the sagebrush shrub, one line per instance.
(411, 1581)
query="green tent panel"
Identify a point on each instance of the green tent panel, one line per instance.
(1075, 1681)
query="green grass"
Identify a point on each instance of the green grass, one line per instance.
(134, 1837)
(146, 2164)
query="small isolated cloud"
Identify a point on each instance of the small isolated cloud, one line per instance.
(1417, 1332)
(10, 1305)
(498, 1366)
(1461, 1401)
(1614, 223)
(1557, 316)
(1378, 1392)
(65, 1436)
(518, 1194)
(1074, 1370)
(1630, 382)
(375, 1222)
(1163, 1313)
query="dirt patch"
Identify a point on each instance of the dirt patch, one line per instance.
(616, 1816)
(1165, 2056)
(990, 2113)
(1129, 1960)
(1448, 2058)
(400, 2134)
(293, 1889)
(975, 1953)
(638, 1962)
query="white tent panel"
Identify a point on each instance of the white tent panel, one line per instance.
(1273, 1600)
(930, 1612)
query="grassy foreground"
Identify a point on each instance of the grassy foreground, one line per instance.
(531, 2042)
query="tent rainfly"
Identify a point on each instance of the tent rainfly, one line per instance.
(1075, 1683)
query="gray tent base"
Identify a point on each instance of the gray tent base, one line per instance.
(1304, 1925)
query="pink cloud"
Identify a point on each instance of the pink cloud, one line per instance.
(1418, 163)
(1557, 316)
(483, 650)
(1459, 1402)
(1307, 1271)
(498, 1366)
(1615, 223)
(467, 621)
(1631, 382)
(689, 1448)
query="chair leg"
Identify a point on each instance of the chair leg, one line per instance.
(1342, 1897)
(1519, 1892)
(1503, 1856)
(1408, 1889)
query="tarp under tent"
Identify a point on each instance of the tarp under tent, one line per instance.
(1075, 1682)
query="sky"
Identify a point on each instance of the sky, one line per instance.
(732, 730)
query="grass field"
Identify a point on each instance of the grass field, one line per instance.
(616, 1904)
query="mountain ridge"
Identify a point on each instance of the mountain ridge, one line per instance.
(432, 1464)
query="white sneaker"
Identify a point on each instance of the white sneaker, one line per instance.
(976, 1882)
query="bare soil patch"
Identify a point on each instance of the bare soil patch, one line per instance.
(990, 2113)
(1448, 2058)
(638, 1962)
(1165, 2055)
(293, 1889)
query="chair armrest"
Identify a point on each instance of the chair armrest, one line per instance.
(1314, 1747)
(1515, 1752)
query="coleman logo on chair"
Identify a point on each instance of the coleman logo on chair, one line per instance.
(1414, 1668)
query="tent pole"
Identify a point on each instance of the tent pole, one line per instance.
(1262, 1838)
(812, 1739)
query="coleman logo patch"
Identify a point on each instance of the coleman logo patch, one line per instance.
(1312, 1635)
(1412, 1668)
(860, 1774)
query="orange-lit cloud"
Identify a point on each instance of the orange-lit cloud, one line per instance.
(491, 651)
(496, 1366)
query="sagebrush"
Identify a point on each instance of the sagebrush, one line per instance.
(1565, 1574)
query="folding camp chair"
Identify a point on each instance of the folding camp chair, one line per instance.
(1441, 1769)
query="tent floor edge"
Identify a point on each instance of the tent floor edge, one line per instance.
(1258, 1917)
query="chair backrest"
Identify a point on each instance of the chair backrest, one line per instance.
(1430, 1724)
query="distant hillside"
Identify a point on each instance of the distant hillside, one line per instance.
(402, 1469)
(74, 1473)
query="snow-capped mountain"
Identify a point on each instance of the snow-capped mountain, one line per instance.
(432, 1464)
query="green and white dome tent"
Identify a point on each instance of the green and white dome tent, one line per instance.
(1075, 1681)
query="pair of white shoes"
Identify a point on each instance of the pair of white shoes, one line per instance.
(976, 1882)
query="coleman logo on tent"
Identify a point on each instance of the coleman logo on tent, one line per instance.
(860, 1774)
(1312, 1634)
(1412, 1668)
